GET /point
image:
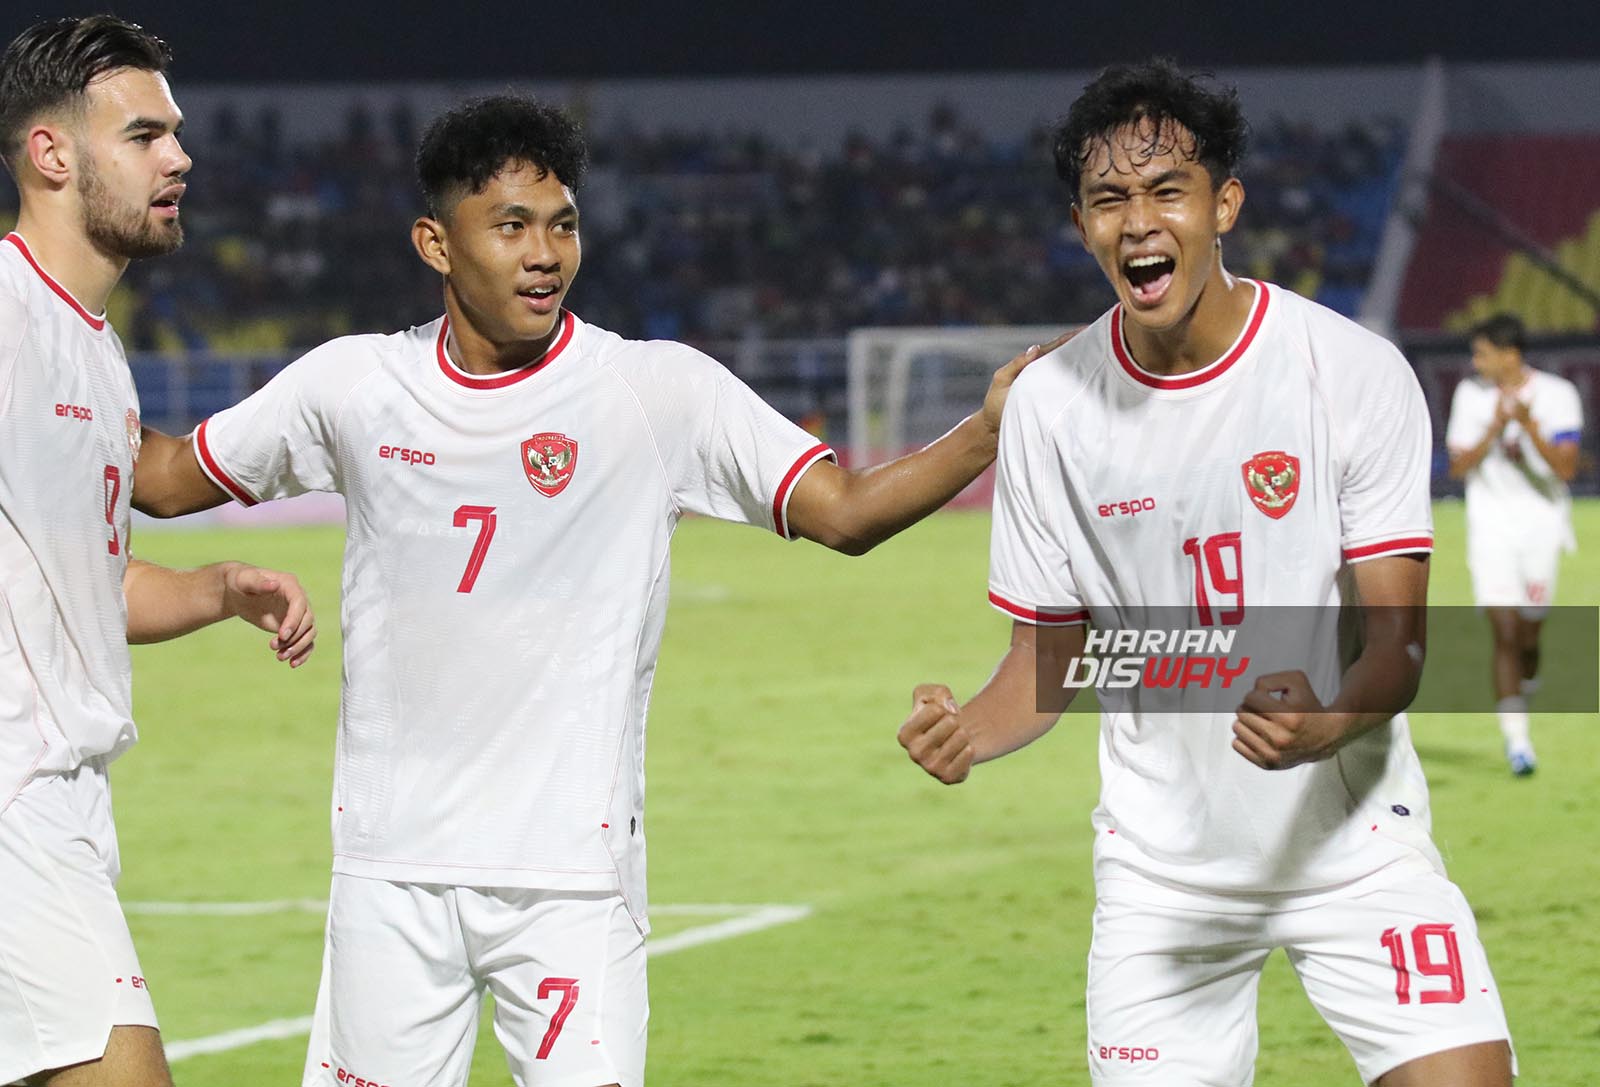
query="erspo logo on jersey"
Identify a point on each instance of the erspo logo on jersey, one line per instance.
(1156, 659)
(1130, 1053)
(405, 456)
(1133, 507)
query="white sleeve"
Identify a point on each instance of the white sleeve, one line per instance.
(1384, 503)
(728, 453)
(281, 441)
(1029, 576)
(1464, 429)
(1565, 422)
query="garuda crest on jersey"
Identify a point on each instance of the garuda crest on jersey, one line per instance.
(549, 460)
(130, 423)
(1273, 480)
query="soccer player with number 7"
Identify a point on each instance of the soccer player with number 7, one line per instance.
(513, 476)
(1278, 456)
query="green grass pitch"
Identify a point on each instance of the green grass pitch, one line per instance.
(950, 926)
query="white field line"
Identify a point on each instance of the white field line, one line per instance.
(320, 905)
(227, 909)
(739, 921)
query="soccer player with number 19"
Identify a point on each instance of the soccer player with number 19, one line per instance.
(513, 477)
(1279, 456)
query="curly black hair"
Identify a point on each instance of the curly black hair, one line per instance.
(1157, 92)
(462, 150)
(51, 64)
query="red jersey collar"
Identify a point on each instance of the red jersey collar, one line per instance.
(96, 323)
(1252, 325)
(510, 377)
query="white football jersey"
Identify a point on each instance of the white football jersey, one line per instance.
(67, 447)
(1230, 493)
(1513, 490)
(505, 582)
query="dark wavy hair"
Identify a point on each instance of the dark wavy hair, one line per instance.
(1503, 330)
(51, 64)
(1157, 92)
(466, 147)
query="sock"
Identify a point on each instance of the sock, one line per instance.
(1530, 687)
(1513, 711)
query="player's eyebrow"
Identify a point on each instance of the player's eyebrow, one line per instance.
(524, 212)
(1177, 173)
(151, 124)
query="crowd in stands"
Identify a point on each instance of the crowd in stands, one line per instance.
(710, 237)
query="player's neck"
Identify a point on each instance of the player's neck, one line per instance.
(1515, 380)
(476, 353)
(67, 256)
(1201, 337)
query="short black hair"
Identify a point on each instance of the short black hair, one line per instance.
(462, 150)
(1158, 92)
(1503, 330)
(51, 64)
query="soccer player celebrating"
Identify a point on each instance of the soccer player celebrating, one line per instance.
(89, 131)
(513, 477)
(1513, 436)
(1280, 454)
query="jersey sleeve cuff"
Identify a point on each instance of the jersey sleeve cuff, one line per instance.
(1410, 543)
(780, 501)
(1565, 436)
(1043, 617)
(209, 465)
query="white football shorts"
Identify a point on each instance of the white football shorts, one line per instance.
(68, 972)
(1392, 963)
(1509, 571)
(405, 967)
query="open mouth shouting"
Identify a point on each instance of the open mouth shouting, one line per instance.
(1149, 276)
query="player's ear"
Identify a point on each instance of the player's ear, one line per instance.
(1077, 222)
(1230, 198)
(428, 237)
(50, 151)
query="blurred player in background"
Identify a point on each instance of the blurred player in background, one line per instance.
(1280, 454)
(1513, 436)
(89, 131)
(513, 478)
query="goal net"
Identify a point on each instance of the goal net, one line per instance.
(907, 386)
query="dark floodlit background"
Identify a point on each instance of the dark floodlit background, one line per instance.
(768, 178)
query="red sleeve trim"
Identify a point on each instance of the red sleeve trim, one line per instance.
(1042, 618)
(214, 470)
(1387, 547)
(780, 501)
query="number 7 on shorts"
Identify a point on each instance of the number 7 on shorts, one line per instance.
(568, 988)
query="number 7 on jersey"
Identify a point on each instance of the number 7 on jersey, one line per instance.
(484, 514)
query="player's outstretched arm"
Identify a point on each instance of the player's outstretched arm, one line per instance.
(168, 480)
(854, 510)
(165, 603)
(1281, 724)
(1020, 703)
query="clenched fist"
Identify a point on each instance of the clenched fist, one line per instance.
(933, 736)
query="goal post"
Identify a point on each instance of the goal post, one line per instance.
(907, 386)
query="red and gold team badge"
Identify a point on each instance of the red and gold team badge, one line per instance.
(135, 434)
(1273, 480)
(549, 460)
